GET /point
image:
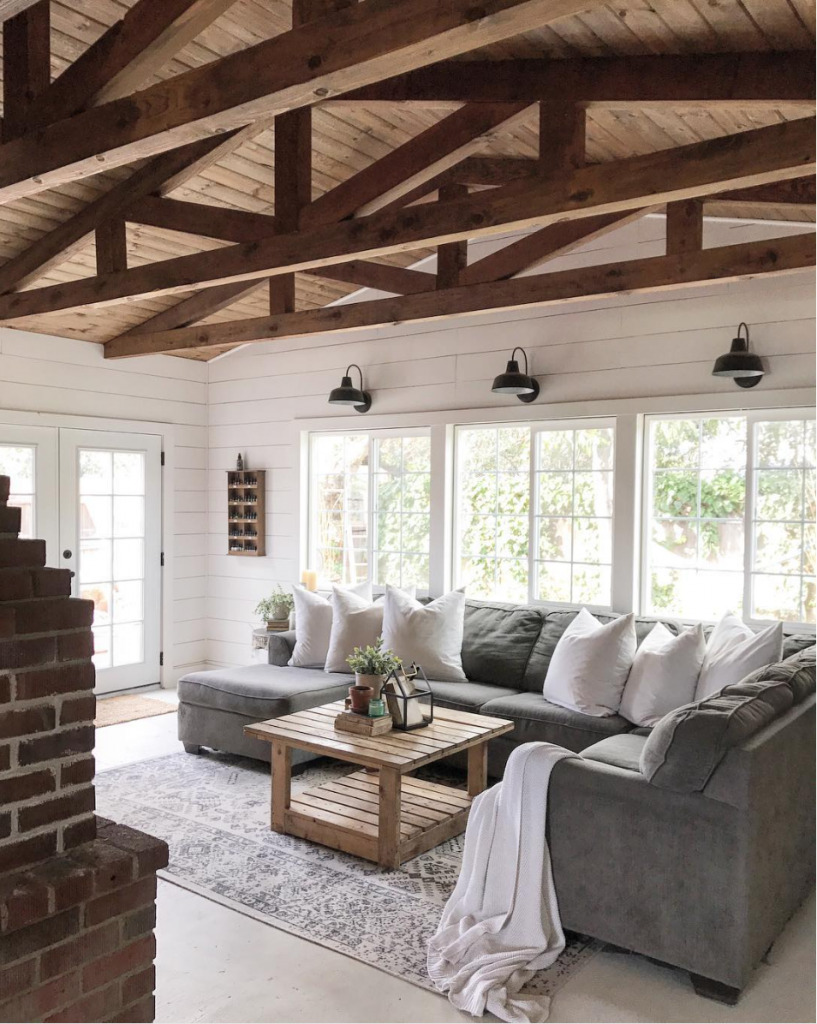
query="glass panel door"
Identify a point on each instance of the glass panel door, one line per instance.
(111, 538)
(28, 455)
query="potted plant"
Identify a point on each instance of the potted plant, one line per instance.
(276, 607)
(371, 665)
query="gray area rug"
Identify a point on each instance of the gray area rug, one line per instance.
(213, 811)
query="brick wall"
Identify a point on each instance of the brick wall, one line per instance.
(77, 893)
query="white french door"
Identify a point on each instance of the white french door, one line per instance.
(95, 497)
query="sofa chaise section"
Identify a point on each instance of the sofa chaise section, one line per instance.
(214, 706)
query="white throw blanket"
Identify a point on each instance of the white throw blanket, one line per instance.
(502, 922)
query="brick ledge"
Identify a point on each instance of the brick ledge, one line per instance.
(118, 856)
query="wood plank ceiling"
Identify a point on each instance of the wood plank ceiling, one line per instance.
(348, 138)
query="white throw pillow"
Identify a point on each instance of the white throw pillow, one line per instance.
(664, 674)
(734, 651)
(313, 625)
(590, 665)
(429, 634)
(356, 622)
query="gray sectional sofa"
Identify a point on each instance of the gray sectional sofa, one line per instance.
(692, 843)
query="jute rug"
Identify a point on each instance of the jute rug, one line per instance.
(115, 710)
(213, 810)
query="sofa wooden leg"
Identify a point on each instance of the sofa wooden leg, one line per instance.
(716, 990)
(192, 748)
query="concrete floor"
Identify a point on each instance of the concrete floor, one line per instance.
(217, 965)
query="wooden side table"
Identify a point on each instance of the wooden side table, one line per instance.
(387, 817)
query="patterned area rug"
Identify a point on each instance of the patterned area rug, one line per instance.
(213, 810)
(115, 710)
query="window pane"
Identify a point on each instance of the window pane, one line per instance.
(776, 597)
(779, 494)
(593, 540)
(723, 443)
(555, 539)
(591, 584)
(18, 463)
(780, 444)
(95, 472)
(553, 581)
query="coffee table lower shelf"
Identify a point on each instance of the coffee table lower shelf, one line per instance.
(352, 814)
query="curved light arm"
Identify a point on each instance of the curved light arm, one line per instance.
(524, 353)
(349, 367)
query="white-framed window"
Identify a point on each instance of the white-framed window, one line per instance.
(534, 511)
(369, 507)
(729, 516)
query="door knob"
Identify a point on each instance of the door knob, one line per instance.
(68, 553)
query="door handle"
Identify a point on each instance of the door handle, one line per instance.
(68, 553)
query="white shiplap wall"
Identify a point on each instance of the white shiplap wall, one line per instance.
(592, 352)
(59, 377)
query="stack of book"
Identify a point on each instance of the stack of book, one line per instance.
(362, 725)
(277, 625)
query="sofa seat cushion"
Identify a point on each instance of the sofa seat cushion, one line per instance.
(622, 751)
(261, 692)
(465, 696)
(536, 719)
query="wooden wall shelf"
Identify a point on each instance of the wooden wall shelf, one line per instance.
(246, 506)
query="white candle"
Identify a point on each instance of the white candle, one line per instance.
(309, 578)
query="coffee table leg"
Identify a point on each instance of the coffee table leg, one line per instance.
(281, 782)
(477, 769)
(388, 832)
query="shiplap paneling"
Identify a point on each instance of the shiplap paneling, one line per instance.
(58, 376)
(592, 351)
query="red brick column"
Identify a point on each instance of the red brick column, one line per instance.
(77, 893)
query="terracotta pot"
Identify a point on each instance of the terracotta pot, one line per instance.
(376, 683)
(361, 695)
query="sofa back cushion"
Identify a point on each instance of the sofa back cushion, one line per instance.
(497, 642)
(688, 744)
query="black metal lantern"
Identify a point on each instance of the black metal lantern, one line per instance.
(348, 394)
(403, 698)
(744, 367)
(514, 382)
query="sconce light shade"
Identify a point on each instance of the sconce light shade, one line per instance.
(514, 382)
(743, 366)
(348, 394)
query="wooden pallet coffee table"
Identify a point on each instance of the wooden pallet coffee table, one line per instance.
(385, 817)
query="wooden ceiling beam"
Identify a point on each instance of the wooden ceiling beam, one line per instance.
(703, 79)
(685, 226)
(343, 50)
(397, 280)
(126, 56)
(201, 219)
(59, 244)
(389, 179)
(195, 307)
(710, 266)
(795, 192)
(26, 65)
(780, 151)
(545, 244)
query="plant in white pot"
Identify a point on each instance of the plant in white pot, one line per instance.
(371, 665)
(276, 607)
